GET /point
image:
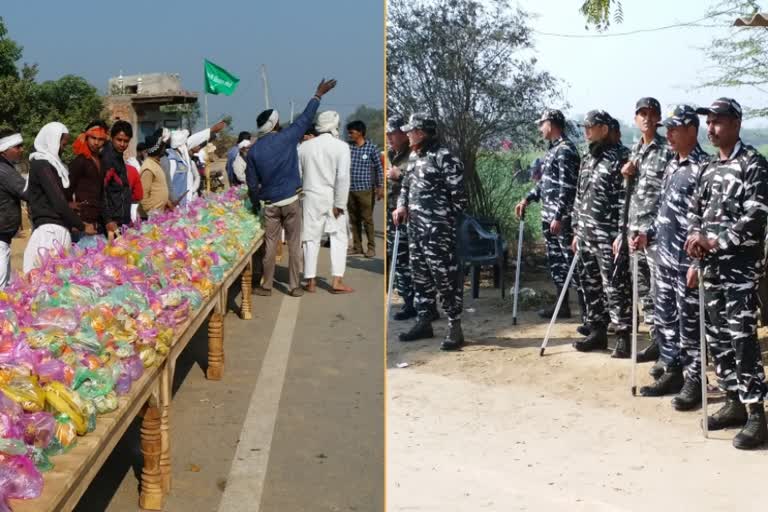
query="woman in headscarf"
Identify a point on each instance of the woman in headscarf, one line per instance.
(52, 217)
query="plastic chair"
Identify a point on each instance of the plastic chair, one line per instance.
(481, 245)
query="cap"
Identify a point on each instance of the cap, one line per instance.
(613, 124)
(722, 106)
(651, 103)
(395, 124)
(552, 115)
(681, 115)
(420, 121)
(594, 117)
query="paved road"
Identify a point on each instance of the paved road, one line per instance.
(297, 423)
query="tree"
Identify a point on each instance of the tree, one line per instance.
(740, 57)
(464, 64)
(598, 12)
(374, 123)
(26, 105)
(10, 53)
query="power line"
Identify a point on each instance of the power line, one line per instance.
(693, 23)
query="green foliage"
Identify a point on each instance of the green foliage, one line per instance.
(374, 123)
(740, 57)
(598, 13)
(497, 171)
(27, 105)
(468, 63)
(10, 53)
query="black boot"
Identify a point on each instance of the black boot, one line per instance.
(657, 370)
(565, 308)
(406, 312)
(584, 330)
(597, 340)
(651, 353)
(755, 432)
(433, 315)
(455, 338)
(732, 414)
(623, 348)
(421, 330)
(670, 383)
(689, 397)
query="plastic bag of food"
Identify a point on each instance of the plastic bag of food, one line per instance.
(54, 369)
(93, 383)
(38, 428)
(41, 459)
(63, 400)
(106, 403)
(12, 446)
(10, 407)
(64, 318)
(25, 391)
(10, 427)
(64, 436)
(19, 478)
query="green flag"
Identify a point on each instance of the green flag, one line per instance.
(219, 80)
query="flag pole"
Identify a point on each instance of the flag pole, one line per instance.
(207, 165)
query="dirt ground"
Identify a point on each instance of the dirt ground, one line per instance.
(497, 427)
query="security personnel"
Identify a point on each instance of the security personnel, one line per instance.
(647, 161)
(726, 233)
(432, 199)
(598, 207)
(557, 191)
(676, 314)
(398, 153)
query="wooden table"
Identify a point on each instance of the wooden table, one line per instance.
(150, 396)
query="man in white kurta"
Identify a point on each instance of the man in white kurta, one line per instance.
(325, 164)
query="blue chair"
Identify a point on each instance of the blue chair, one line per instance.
(481, 245)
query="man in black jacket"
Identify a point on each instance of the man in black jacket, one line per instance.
(117, 192)
(13, 189)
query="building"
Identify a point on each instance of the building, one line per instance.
(148, 102)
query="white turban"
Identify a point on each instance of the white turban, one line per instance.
(10, 141)
(328, 122)
(179, 138)
(270, 124)
(48, 144)
(244, 144)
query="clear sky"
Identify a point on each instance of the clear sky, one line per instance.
(299, 41)
(612, 73)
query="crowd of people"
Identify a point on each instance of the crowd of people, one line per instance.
(100, 192)
(664, 205)
(313, 187)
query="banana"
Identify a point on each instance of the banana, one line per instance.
(63, 400)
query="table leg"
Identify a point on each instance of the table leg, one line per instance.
(245, 308)
(215, 345)
(166, 381)
(151, 497)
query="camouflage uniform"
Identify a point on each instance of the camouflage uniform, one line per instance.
(433, 192)
(557, 191)
(730, 206)
(598, 207)
(403, 270)
(676, 315)
(651, 159)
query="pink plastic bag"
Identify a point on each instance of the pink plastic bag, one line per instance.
(19, 479)
(38, 428)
